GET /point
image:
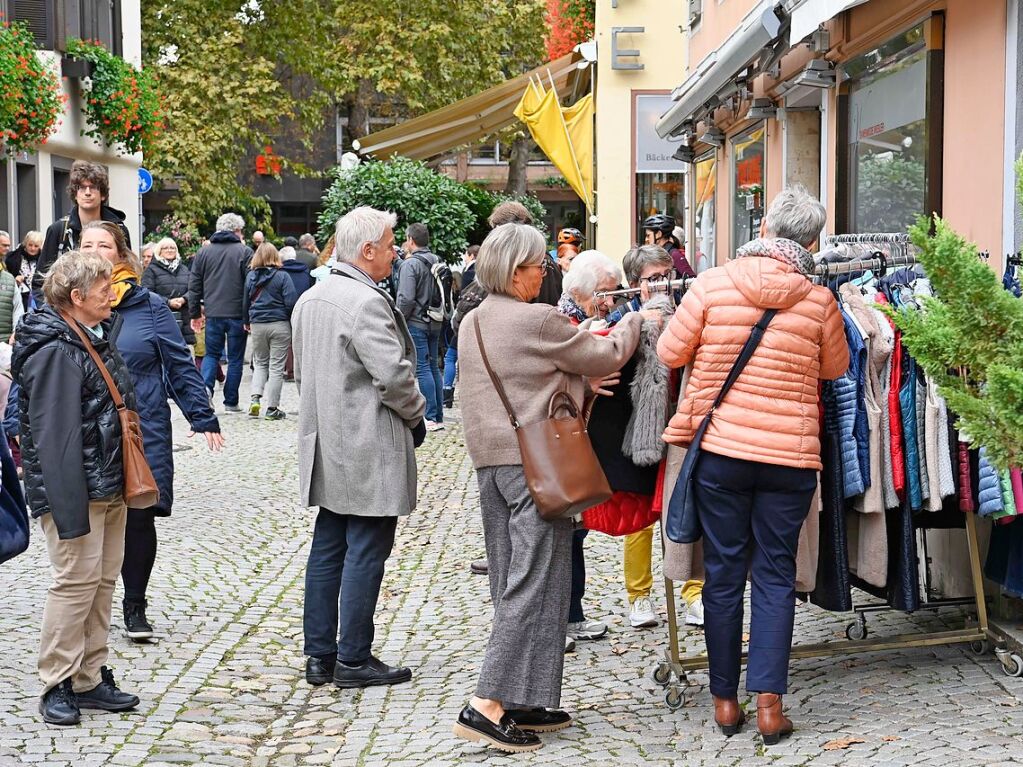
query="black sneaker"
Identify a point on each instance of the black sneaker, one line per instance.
(320, 670)
(275, 414)
(106, 695)
(369, 674)
(504, 736)
(449, 397)
(136, 627)
(59, 705)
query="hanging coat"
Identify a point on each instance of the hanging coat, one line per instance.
(161, 367)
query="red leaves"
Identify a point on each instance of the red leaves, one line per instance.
(569, 22)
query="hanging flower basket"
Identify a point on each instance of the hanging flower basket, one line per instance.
(75, 68)
(31, 100)
(120, 103)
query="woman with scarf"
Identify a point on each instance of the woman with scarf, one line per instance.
(21, 262)
(167, 276)
(160, 366)
(761, 453)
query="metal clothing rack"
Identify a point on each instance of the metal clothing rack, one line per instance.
(672, 672)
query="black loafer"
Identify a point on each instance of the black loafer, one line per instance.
(506, 736)
(371, 673)
(539, 719)
(59, 705)
(319, 671)
(106, 696)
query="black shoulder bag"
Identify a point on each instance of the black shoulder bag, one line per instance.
(681, 523)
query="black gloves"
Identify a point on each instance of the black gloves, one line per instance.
(419, 433)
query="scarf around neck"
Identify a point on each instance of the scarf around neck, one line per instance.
(787, 251)
(171, 266)
(571, 309)
(123, 279)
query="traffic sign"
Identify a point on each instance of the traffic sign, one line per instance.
(145, 180)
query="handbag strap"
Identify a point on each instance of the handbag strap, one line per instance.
(490, 371)
(114, 393)
(755, 336)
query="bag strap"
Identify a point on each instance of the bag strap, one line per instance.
(755, 336)
(114, 393)
(490, 371)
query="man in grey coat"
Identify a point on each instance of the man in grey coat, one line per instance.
(360, 420)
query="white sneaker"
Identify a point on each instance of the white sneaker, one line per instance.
(694, 614)
(569, 645)
(641, 614)
(585, 630)
(434, 426)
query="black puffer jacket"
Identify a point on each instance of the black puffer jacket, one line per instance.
(167, 284)
(70, 432)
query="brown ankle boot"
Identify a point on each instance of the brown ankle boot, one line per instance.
(728, 716)
(771, 722)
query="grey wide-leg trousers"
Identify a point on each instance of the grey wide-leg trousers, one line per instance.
(530, 584)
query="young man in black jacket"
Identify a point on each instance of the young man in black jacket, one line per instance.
(89, 189)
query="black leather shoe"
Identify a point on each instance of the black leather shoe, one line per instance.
(59, 705)
(106, 696)
(539, 719)
(135, 624)
(506, 736)
(319, 670)
(371, 673)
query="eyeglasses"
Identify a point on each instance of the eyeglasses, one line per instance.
(659, 277)
(543, 265)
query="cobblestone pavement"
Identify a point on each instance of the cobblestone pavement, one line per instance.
(223, 684)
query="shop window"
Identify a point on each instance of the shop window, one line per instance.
(660, 180)
(705, 213)
(892, 124)
(747, 185)
(660, 193)
(28, 213)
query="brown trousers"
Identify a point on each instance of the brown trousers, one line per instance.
(76, 619)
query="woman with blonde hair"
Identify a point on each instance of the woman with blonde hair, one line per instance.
(149, 339)
(267, 303)
(21, 263)
(167, 276)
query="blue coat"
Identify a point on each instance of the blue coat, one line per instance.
(161, 367)
(269, 296)
(299, 274)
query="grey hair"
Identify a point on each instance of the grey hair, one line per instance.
(588, 269)
(287, 253)
(306, 239)
(148, 246)
(359, 226)
(230, 222)
(640, 257)
(74, 270)
(5, 234)
(163, 244)
(796, 215)
(505, 249)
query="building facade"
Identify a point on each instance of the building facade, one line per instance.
(33, 186)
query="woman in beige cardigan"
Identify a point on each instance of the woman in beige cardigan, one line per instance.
(535, 351)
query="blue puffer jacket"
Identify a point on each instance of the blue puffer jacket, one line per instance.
(161, 367)
(270, 296)
(852, 414)
(907, 409)
(990, 492)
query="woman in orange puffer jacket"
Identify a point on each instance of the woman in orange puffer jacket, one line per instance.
(761, 454)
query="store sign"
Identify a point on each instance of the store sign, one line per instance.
(889, 102)
(653, 154)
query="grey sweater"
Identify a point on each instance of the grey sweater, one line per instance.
(535, 351)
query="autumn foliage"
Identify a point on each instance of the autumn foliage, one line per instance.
(569, 22)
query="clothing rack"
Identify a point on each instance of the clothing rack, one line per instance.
(981, 636)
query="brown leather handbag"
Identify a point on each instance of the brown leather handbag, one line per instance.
(562, 471)
(140, 489)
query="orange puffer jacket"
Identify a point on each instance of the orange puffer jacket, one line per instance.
(771, 413)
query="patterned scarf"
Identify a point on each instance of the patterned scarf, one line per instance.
(172, 266)
(568, 306)
(787, 251)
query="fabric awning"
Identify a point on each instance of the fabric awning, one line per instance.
(472, 118)
(759, 31)
(812, 13)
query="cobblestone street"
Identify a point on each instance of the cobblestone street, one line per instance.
(224, 685)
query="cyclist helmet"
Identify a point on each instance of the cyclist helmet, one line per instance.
(660, 223)
(572, 236)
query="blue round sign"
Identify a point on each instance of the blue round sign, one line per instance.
(145, 180)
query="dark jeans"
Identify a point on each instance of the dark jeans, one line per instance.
(575, 605)
(342, 581)
(217, 330)
(427, 371)
(751, 515)
(139, 553)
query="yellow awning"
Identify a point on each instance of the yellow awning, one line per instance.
(471, 119)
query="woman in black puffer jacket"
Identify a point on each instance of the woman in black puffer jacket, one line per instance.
(74, 478)
(167, 276)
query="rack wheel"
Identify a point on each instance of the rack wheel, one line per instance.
(856, 630)
(980, 647)
(662, 674)
(1012, 665)
(675, 698)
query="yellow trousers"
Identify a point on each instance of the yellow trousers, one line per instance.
(639, 576)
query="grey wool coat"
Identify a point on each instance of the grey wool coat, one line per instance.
(356, 369)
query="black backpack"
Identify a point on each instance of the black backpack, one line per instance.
(442, 302)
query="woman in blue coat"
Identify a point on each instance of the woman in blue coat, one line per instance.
(161, 367)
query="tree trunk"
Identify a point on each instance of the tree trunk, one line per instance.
(518, 167)
(357, 105)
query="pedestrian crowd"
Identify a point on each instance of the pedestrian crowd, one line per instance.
(379, 338)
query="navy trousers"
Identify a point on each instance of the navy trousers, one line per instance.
(575, 604)
(342, 581)
(751, 515)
